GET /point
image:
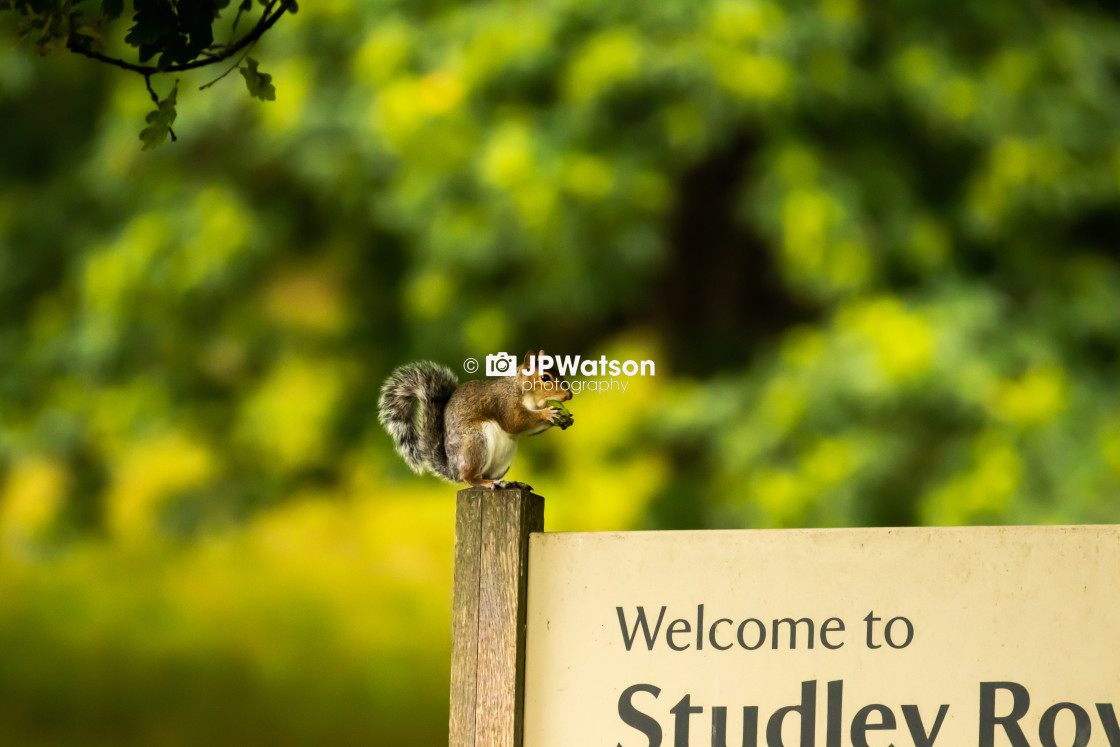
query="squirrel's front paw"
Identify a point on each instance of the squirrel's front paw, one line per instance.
(560, 418)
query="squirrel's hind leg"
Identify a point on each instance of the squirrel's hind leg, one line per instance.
(471, 460)
(473, 477)
(483, 456)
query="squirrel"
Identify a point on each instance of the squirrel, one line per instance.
(468, 432)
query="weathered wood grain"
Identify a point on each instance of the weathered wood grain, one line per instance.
(488, 633)
(464, 623)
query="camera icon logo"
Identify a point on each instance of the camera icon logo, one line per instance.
(501, 364)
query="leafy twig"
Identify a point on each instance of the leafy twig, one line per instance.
(267, 20)
(235, 65)
(155, 100)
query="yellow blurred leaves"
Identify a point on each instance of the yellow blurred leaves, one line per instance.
(650, 190)
(918, 65)
(348, 563)
(1116, 167)
(1013, 69)
(383, 53)
(783, 403)
(512, 35)
(951, 95)
(287, 416)
(840, 11)
(334, 11)
(797, 164)
(588, 177)
(292, 79)
(319, 579)
(486, 330)
(830, 71)
(751, 76)
(736, 21)
(684, 125)
(223, 359)
(901, 340)
(604, 61)
(820, 243)
(829, 462)
(1036, 398)
(118, 413)
(439, 92)
(172, 249)
(929, 246)
(30, 500)
(958, 97)
(511, 163)
(221, 230)
(428, 294)
(1018, 171)
(806, 216)
(396, 113)
(818, 225)
(780, 493)
(308, 298)
(736, 30)
(507, 160)
(1015, 161)
(122, 266)
(983, 490)
(149, 470)
(1110, 449)
(407, 106)
(787, 494)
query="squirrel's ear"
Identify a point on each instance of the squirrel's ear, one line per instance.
(528, 357)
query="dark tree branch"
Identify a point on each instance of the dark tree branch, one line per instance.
(267, 19)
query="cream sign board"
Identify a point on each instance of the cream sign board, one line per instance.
(963, 637)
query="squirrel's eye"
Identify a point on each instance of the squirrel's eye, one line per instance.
(545, 376)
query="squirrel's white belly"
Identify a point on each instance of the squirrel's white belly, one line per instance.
(500, 450)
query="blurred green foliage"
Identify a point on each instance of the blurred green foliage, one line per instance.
(180, 32)
(873, 249)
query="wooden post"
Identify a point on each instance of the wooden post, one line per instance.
(488, 628)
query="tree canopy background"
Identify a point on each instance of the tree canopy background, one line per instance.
(872, 248)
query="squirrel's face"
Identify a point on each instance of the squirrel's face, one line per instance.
(544, 386)
(541, 386)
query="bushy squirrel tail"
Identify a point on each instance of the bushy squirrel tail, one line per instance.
(411, 407)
